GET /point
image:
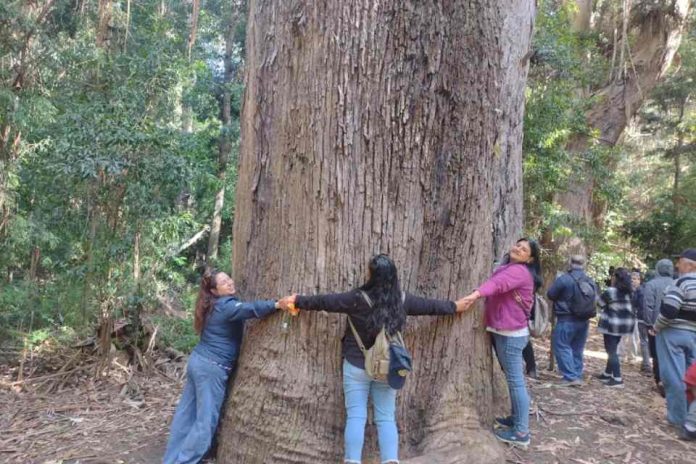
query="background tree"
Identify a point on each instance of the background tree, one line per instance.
(662, 142)
(374, 127)
(104, 199)
(639, 40)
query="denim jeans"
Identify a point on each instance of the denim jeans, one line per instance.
(357, 388)
(676, 349)
(611, 345)
(568, 341)
(509, 351)
(196, 417)
(527, 355)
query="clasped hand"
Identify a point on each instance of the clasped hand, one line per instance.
(464, 303)
(287, 303)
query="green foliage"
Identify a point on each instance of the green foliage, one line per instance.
(177, 333)
(662, 221)
(104, 183)
(555, 117)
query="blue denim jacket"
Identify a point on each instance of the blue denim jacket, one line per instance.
(222, 336)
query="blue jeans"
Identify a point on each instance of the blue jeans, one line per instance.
(196, 417)
(509, 351)
(676, 350)
(568, 341)
(357, 388)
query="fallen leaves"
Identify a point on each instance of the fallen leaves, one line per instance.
(594, 424)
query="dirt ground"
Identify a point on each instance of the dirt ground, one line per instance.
(597, 424)
(65, 416)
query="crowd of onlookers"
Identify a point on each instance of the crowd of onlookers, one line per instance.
(652, 315)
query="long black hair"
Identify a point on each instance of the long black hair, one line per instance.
(622, 281)
(384, 290)
(534, 265)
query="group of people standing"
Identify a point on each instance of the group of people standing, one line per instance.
(661, 309)
(380, 308)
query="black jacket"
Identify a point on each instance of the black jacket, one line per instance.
(353, 304)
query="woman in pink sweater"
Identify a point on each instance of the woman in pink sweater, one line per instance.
(509, 297)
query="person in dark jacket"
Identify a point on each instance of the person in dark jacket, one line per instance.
(616, 320)
(219, 319)
(377, 304)
(570, 333)
(652, 294)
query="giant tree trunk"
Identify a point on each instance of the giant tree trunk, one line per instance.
(654, 35)
(372, 127)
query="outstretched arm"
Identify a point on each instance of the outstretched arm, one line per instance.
(418, 306)
(242, 310)
(348, 303)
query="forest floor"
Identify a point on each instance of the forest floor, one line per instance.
(59, 414)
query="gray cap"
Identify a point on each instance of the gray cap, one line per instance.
(578, 260)
(664, 267)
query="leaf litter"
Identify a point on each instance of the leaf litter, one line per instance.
(594, 424)
(65, 412)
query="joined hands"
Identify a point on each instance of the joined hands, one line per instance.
(287, 303)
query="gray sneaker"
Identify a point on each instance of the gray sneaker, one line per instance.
(570, 383)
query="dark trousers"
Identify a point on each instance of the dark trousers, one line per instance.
(528, 355)
(611, 345)
(653, 356)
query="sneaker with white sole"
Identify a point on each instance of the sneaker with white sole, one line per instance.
(613, 383)
(570, 383)
(512, 438)
(603, 377)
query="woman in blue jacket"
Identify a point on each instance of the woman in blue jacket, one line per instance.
(219, 320)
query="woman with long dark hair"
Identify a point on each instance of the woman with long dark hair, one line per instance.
(509, 297)
(377, 304)
(616, 319)
(219, 320)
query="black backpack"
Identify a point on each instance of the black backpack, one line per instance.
(582, 304)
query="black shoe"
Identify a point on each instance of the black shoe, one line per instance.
(603, 377)
(614, 383)
(660, 389)
(532, 374)
(687, 435)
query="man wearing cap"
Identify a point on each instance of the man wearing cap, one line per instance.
(573, 295)
(676, 336)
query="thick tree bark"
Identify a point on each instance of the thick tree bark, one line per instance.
(655, 30)
(372, 127)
